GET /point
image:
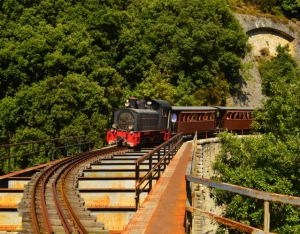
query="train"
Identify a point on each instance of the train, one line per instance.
(144, 121)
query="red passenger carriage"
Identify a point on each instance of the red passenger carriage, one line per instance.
(194, 118)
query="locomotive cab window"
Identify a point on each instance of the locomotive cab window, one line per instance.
(165, 113)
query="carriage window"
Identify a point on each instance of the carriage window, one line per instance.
(190, 117)
(212, 116)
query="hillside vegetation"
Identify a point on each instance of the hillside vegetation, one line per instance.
(66, 64)
(289, 9)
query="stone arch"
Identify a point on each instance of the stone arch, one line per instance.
(265, 40)
(265, 34)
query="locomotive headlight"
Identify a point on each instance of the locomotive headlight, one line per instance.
(130, 127)
(127, 103)
(149, 103)
(114, 126)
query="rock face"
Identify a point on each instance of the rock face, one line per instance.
(265, 34)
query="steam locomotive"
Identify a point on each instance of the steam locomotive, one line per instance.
(140, 122)
(150, 121)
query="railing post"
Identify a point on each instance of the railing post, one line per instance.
(137, 185)
(169, 152)
(150, 177)
(52, 152)
(32, 150)
(9, 158)
(67, 147)
(266, 217)
(158, 159)
(79, 145)
(165, 160)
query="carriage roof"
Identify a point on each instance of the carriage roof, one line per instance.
(193, 108)
(235, 108)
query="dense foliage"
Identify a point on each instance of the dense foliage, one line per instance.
(195, 45)
(287, 8)
(270, 161)
(65, 64)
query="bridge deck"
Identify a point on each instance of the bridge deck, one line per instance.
(164, 208)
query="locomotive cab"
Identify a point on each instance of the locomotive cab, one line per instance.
(141, 121)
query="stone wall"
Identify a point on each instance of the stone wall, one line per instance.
(265, 34)
(206, 152)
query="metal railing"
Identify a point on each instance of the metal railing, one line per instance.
(144, 183)
(192, 181)
(26, 154)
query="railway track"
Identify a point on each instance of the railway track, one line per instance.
(51, 202)
(79, 194)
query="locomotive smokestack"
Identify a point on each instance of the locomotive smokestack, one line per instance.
(133, 101)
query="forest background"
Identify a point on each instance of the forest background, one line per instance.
(65, 64)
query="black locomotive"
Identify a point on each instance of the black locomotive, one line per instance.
(141, 121)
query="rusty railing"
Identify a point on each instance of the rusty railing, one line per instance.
(144, 183)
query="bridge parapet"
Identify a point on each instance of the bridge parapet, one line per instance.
(201, 207)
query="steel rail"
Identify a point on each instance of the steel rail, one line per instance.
(63, 217)
(63, 190)
(35, 224)
(87, 156)
(43, 178)
(59, 209)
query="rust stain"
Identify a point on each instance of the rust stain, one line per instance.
(104, 200)
(113, 221)
(10, 227)
(20, 185)
(10, 200)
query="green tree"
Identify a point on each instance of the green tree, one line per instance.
(263, 163)
(50, 38)
(199, 42)
(54, 107)
(156, 85)
(282, 86)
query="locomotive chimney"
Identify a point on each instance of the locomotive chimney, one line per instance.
(133, 102)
